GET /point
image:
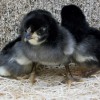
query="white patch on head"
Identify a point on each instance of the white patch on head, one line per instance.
(70, 46)
(34, 39)
(35, 36)
(81, 58)
(4, 72)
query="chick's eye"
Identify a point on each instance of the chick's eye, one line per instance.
(39, 33)
(43, 29)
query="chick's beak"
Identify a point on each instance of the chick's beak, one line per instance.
(27, 36)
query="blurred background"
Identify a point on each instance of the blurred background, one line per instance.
(12, 12)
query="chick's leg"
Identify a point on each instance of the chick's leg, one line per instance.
(68, 75)
(68, 79)
(33, 73)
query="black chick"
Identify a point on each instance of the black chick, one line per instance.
(44, 40)
(13, 62)
(87, 52)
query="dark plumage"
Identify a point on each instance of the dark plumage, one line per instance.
(73, 19)
(42, 40)
(13, 62)
(87, 52)
(45, 41)
(10, 45)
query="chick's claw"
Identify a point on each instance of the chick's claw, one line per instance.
(69, 80)
(32, 78)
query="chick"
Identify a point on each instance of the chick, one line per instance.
(14, 64)
(87, 52)
(44, 40)
(13, 61)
